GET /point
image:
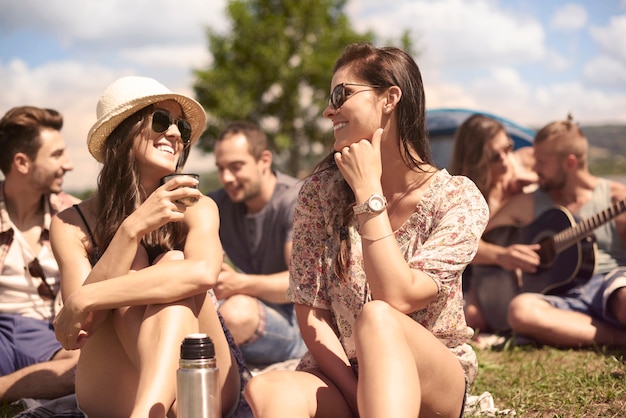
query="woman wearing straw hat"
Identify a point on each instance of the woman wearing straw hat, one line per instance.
(135, 263)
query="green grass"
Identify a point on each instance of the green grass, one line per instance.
(7, 411)
(543, 382)
(548, 382)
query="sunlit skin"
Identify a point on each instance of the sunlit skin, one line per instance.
(51, 163)
(127, 314)
(549, 169)
(351, 122)
(158, 153)
(499, 145)
(368, 157)
(239, 172)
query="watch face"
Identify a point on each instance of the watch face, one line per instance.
(376, 203)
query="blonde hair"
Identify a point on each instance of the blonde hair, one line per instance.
(564, 137)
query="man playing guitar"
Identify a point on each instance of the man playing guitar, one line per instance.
(591, 309)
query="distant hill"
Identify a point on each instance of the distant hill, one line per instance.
(611, 138)
(607, 154)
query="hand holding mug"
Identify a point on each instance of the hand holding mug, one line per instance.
(187, 200)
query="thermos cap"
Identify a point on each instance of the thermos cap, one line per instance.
(197, 347)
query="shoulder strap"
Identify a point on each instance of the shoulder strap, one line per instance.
(85, 222)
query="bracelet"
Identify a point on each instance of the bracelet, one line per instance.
(366, 238)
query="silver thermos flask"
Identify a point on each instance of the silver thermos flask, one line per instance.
(197, 379)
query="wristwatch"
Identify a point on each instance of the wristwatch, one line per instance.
(375, 204)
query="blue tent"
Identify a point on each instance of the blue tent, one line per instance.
(442, 123)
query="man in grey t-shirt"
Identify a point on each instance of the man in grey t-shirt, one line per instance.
(256, 207)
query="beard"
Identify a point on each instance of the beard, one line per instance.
(551, 184)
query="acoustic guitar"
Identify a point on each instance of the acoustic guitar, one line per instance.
(567, 252)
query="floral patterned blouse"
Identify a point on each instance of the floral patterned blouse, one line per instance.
(440, 238)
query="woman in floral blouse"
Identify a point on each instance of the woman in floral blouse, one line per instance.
(381, 238)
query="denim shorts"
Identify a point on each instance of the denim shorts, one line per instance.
(276, 339)
(25, 341)
(591, 297)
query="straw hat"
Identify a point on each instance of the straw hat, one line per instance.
(129, 94)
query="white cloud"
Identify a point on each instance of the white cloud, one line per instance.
(114, 23)
(611, 38)
(476, 54)
(569, 17)
(458, 33)
(606, 71)
(556, 62)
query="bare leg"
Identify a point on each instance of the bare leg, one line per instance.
(241, 316)
(289, 394)
(47, 380)
(157, 345)
(128, 367)
(532, 316)
(617, 305)
(404, 371)
(473, 313)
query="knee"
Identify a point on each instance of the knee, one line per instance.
(375, 317)
(257, 389)
(522, 311)
(474, 317)
(271, 388)
(617, 305)
(172, 255)
(240, 310)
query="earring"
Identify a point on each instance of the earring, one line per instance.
(387, 109)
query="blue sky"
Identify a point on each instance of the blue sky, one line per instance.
(532, 61)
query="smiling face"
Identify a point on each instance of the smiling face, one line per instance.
(359, 116)
(157, 153)
(51, 163)
(239, 172)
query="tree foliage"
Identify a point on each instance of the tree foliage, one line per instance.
(274, 68)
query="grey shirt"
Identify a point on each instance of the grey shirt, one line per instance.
(255, 243)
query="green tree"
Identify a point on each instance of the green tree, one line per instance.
(274, 68)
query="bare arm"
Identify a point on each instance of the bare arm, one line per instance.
(517, 212)
(111, 283)
(268, 287)
(388, 274)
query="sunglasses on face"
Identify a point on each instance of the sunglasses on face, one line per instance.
(162, 120)
(44, 289)
(340, 94)
(499, 155)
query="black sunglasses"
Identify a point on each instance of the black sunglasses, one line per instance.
(162, 120)
(44, 289)
(339, 95)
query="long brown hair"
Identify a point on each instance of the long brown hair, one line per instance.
(119, 190)
(385, 67)
(469, 157)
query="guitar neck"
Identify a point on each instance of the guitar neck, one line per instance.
(583, 229)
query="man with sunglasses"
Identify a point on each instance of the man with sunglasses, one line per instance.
(33, 160)
(256, 207)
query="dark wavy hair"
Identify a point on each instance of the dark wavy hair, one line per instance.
(119, 191)
(385, 67)
(470, 157)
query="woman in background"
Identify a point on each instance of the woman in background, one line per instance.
(483, 151)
